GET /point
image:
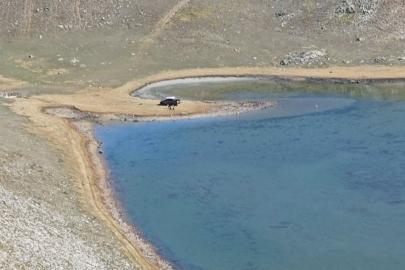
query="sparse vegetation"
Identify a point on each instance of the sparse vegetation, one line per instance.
(64, 46)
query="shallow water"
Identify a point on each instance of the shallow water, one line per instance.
(298, 186)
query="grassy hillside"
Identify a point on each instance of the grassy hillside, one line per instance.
(109, 42)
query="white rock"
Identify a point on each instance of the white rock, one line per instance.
(74, 60)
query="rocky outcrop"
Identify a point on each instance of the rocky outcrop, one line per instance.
(346, 7)
(304, 58)
(365, 8)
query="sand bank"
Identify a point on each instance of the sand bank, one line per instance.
(74, 134)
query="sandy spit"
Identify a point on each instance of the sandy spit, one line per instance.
(76, 139)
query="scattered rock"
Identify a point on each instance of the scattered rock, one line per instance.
(12, 95)
(281, 14)
(365, 8)
(304, 58)
(346, 7)
(74, 60)
(379, 59)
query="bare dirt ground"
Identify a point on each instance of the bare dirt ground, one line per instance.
(67, 65)
(43, 224)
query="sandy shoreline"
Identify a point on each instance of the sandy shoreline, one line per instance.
(66, 127)
(83, 123)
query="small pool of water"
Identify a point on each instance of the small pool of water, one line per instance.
(297, 186)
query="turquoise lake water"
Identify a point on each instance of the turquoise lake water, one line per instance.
(317, 182)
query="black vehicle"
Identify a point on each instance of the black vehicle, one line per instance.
(170, 101)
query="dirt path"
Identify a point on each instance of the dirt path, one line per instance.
(27, 15)
(165, 19)
(159, 26)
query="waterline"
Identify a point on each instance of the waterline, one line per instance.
(321, 189)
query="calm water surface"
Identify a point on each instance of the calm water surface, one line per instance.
(292, 187)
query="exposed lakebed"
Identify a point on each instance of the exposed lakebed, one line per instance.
(316, 182)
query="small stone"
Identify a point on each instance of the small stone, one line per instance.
(61, 26)
(350, 9)
(281, 14)
(74, 60)
(379, 59)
